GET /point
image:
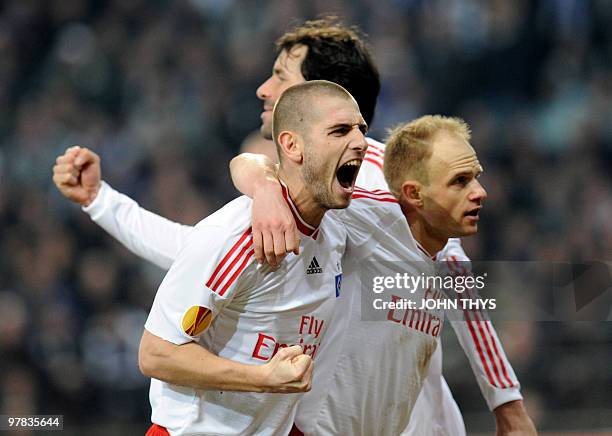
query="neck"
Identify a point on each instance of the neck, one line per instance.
(423, 233)
(307, 207)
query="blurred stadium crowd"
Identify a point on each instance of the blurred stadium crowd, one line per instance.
(164, 92)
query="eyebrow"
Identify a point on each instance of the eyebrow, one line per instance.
(362, 125)
(466, 173)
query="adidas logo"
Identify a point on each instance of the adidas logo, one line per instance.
(314, 267)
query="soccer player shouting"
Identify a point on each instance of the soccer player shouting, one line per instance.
(217, 343)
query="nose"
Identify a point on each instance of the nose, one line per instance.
(263, 92)
(479, 194)
(358, 142)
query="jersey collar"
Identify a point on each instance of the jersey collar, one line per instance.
(303, 226)
(425, 252)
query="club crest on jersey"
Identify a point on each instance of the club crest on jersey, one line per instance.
(314, 267)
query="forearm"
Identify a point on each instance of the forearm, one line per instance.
(150, 236)
(251, 172)
(194, 366)
(512, 419)
(274, 230)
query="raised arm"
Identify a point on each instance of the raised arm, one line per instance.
(77, 175)
(496, 378)
(274, 230)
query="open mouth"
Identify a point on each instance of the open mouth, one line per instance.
(347, 173)
(473, 212)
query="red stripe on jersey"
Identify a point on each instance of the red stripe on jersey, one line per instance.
(375, 147)
(453, 264)
(374, 152)
(245, 235)
(302, 226)
(486, 338)
(501, 361)
(478, 348)
(227, 270)
(237, 272)
(488, 335)
(376, 192)
(375, 162)
(383, 199)
(477, 335)
(373, 191)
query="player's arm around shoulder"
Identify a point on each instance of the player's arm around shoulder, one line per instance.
(275, 232)
(203, 279)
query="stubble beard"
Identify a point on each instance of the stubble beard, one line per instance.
(313, 173)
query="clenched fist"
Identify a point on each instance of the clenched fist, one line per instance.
(288, 371)
(77, 174)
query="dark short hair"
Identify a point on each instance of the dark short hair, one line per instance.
(293, 110)
(338, 54)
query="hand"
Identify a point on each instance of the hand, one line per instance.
(274, 230)
(77, 174)
(511, 419)
(288, 371)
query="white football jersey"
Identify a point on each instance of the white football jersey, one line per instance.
(216, 295)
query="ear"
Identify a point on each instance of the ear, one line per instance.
(291, 146)
(411, 193)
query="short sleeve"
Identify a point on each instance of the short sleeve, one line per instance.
(204, 278)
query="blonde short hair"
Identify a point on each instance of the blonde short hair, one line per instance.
(409, 147)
